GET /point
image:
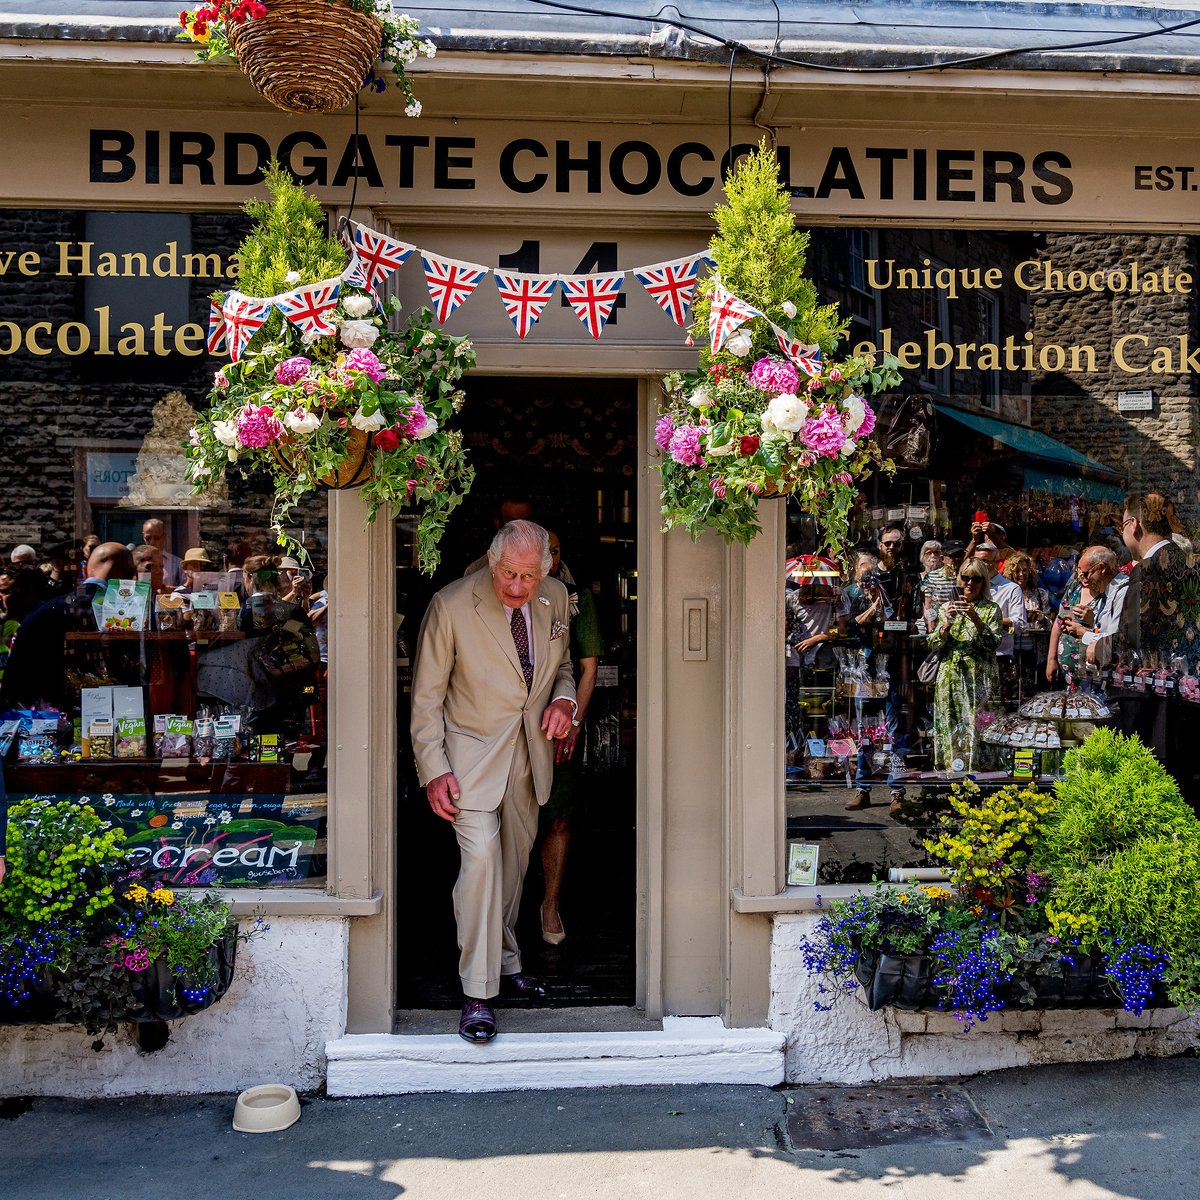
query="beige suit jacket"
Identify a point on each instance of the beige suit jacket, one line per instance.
(469, 700)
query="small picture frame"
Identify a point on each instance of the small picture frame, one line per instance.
(802, 864)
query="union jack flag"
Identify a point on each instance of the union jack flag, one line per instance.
(524, 297)
(725, 314)
(450, 282)
(673, 284)
(244, 317)
(218, 337)
(806, 358)
(308, 307)
(373, 257)
(592, 297)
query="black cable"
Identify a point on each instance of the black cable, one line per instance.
(784, 60)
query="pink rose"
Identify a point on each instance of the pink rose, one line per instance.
(824, 434)
(868, 422)
(663, 428)
(684, 446)
(775, 376)
(292, 370)
(366, 362)
(257, 426)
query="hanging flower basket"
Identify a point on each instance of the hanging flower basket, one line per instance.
(307, 56)
(159, 994)
(351, 472)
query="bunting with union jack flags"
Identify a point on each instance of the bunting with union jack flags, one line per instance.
(806, 358)
(218, 335)
(309, 308)
(244, 317)
(374, 256)
(673, 284)
(450, 282)
(592, 297)
(725, 314)
(524, 297)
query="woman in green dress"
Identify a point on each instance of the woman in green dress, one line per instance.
(966, 635)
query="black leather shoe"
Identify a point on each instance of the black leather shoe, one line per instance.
(522, 987)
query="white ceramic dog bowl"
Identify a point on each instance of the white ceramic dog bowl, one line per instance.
(267, 1108)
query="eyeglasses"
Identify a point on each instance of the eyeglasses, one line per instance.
(891, 545)
(1128, 521)
(1087, 572)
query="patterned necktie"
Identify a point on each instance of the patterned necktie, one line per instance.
(521, 641)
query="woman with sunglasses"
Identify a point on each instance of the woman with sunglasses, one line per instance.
(967, 633)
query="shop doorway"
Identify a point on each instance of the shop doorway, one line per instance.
(568, 446)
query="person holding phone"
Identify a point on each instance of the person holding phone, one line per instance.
(967, 632)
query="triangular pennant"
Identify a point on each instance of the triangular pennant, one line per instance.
(244, 317)
(374, 256)
(524, 297)
(450, 282)
(673, 284)
(592, 297)
(725, 314)
(308, 307)
(806, 358)
(218, 337)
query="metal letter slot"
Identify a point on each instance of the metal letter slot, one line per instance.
(695, 629)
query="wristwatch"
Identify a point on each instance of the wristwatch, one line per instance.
(576, 722)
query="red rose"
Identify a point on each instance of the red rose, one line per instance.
(387, 439)
(748, 445)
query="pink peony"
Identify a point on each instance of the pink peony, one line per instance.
(824, 435)
(292, 370)
(775, 376)
(684, 446)
(868, 422)
(366, 362)
(663, 429)
(417, 419)
(257, 427)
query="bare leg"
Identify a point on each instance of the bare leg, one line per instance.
(554, 865)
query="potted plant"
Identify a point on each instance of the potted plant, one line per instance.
(310, 56)
(349, 402)
(771, 410)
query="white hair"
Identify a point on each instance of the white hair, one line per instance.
(520, 537)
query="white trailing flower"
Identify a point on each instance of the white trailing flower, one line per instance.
(721, 451)
(787, 413)
(358, 335)
(301, 421)
(292, 278)
(225, 432)
(413, 109)
(700, 398)
(368, 424)
(357, 305)
(855, 414)
(428, 429)
(740, 343)
(848, 447)
(789, 309)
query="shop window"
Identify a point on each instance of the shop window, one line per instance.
(987, 320)
(934, 328)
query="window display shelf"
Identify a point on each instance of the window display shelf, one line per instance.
(148, 775)
(128, 637)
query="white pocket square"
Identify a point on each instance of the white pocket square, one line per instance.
(557, 630)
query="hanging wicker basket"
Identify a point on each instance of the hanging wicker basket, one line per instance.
(354, 470)
(307, 56)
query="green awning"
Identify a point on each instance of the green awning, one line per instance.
(1037, 480)
(1032, 443)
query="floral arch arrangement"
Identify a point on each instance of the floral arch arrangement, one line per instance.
(322, 391)
(771, 411)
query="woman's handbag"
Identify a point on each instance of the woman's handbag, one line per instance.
(927, 672)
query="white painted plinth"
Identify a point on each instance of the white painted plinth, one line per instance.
(686, 1050)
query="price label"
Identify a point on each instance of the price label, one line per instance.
(895, 626)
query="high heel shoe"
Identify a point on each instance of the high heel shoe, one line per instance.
(552, 939)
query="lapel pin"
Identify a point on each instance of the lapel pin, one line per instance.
(543, 600)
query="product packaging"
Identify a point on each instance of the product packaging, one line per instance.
(96, 722)
(171, 611)
(203, 613)
(129, 716)
(126, 605)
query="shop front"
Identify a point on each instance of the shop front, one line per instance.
(1036, 286)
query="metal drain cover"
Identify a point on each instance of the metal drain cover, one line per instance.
(848, 1118)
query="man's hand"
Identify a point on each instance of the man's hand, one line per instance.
(556, 720)
(1, 868)
(443, 795)
(564, 750)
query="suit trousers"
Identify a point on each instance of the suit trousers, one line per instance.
(494, 848)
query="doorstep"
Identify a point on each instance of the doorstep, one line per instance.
(684, 1050)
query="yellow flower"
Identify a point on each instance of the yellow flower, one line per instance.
(137, 894)
(163, 896)
(934, 892)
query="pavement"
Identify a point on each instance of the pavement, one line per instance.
(1080, 1132)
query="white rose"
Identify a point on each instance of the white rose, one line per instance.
(848, 447)
(225, 432)
(300, 420)
(769, 428)
(739, 343)
(428, 429)
(368, 424)
(358, 335)
(357, 306)
(855, 415)
(789, 309)
(721, 451)
(787, 412)
(700, 398)
(291, 278)
(309, 336)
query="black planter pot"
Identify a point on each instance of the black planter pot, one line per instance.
(39, 1007)
(160, 994)
(900, 980)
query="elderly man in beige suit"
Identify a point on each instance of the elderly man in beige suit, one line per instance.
(492, 690)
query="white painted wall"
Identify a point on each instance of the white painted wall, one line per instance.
(850, 1044)
(287, 1000)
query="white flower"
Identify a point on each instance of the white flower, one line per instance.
(428, 338)
(855, 415)
(375, 421)
(309, 336)
(358, 335)
(357, 305)
(463, 347)
(428, 429)
(292, 277)
(428, 48)
(739, 343)
(199, 470)
(787, 413)
(225, 432)
(232, 455)
(413, 109)
(700, 398)
(226, 816)
(300, 420)
(848, 447)
(176, 824)
(789, 309)
(721, 451)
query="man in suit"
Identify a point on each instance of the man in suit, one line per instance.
(492, 691)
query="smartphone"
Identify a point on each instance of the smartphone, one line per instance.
(958, 593)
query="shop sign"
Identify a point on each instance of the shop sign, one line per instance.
(15, 535)
(108, 474)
